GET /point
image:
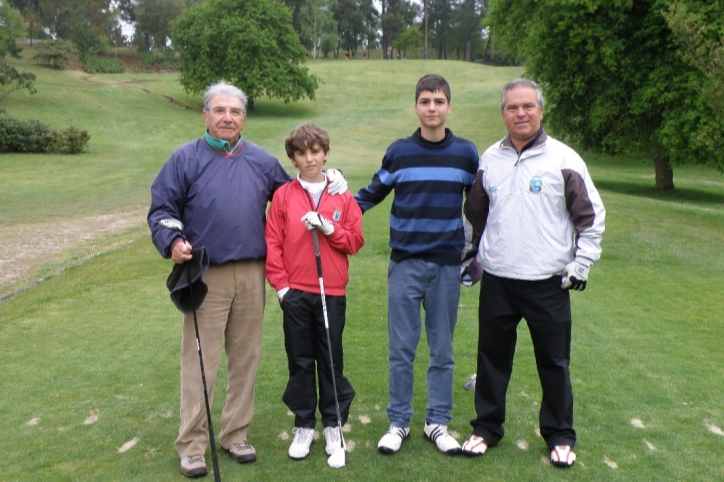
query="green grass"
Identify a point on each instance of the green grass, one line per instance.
(100, 337)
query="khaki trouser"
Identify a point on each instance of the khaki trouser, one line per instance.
(231, 315)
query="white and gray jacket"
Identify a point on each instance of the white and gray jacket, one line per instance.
(532, 212)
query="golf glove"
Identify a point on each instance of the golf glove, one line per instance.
(314, 220)
(575, 276)
(337, 182)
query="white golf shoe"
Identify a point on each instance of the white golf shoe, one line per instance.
(303, 438)
(333, 440)
(390, 442)
(563, 456)
(474, 446)
(437, 433)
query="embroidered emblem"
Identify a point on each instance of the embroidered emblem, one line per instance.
(492, 189)
(337, 214)
(536, 184)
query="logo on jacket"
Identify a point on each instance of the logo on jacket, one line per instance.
(536, 184)
(337, 215)
(492, 189)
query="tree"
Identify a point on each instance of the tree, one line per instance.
(154, 19)
(12, 80)
(55, 53)
(250, 43)
(701, 35)
(32, 22)
(316, 20)
(12, 26)
(350, 24)
(395, 17)
(411, 38)
(615, 79)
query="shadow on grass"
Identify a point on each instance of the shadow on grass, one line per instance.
(679, 194)
(270, 109)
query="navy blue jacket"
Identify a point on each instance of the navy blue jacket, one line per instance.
(221, 199)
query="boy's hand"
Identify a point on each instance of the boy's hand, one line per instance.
(314, 220)
(337, 182)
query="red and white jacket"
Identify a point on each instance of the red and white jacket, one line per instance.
(290, 260)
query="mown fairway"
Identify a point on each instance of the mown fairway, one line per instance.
(89, 356)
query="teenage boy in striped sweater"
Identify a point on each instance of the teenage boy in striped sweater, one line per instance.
(430, 172)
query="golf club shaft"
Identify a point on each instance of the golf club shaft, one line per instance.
(212, 439)
(315, 237)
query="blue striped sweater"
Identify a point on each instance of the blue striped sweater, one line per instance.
(429, 180)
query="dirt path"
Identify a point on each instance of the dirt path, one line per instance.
(28, 247)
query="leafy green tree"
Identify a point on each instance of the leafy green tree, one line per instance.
(615, 78)
(154, 19)
(350, 24)
(250, 43)
(12, 26)
(700, 32)
(316, 19)
(395, 17)
(55, 53)
(410, 38)
(12, 80)
(440, 20)
(467, 25)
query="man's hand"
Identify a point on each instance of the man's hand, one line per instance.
(314, 220)
(337, 182)
(181, 251)
(575, 276)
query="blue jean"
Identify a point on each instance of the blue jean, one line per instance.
(413, 283)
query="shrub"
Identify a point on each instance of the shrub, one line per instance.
(33, 136)
(56, 54)
(101, 65)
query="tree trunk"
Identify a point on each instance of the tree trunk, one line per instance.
(664, 174)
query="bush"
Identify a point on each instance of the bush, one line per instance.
(56, 54)
(101, 65)
(158, 58)
(33, 136)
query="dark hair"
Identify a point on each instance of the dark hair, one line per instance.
(521, 83)
(305, 136)
(432, 83)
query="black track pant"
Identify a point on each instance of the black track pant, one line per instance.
(305, 340)
(547, 310)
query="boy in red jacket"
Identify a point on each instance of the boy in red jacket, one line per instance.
(297, 208)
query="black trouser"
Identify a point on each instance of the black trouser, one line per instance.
(305, 340)
(547, 310)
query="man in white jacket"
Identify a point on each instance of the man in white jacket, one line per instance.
(537, 221)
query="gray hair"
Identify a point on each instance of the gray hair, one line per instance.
(223, 88)
(520, 83)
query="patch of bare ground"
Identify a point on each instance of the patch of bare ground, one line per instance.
(27, 248)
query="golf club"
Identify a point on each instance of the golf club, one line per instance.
(334, 460)
(177, 226)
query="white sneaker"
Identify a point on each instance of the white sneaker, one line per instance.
(475, 446)
(563, 456)
(437, 433)
(303, 438)
(390, 443)
(334, 441)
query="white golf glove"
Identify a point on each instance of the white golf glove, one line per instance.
(575, 276)
(337, 182)
(314, 220)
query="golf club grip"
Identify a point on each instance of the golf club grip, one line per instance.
(315, 238)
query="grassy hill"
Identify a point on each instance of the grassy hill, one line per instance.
(90, 355)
